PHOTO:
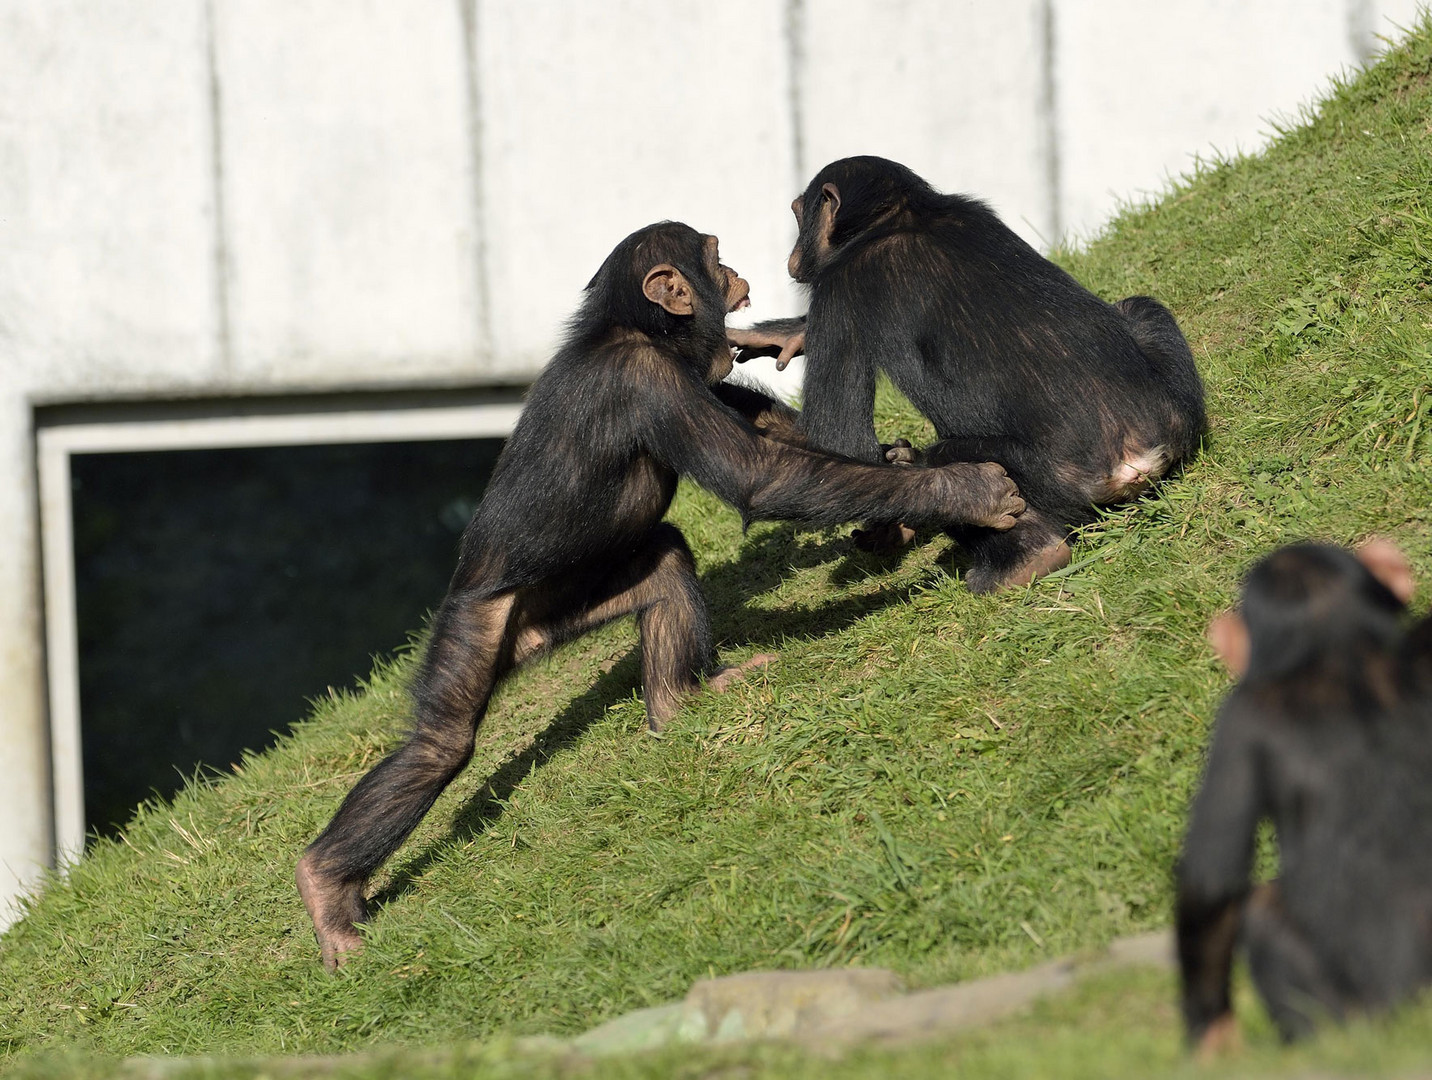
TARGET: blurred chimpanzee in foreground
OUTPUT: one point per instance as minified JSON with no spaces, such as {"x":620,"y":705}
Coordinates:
{"x":569,"y":533}
{"x":1011,"y":359}
{"x":1328,"y":733}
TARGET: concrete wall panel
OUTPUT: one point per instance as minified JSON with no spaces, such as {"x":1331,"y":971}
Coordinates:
{"x":953,"y":90}
{"x":348,"y":180}
{"x":1372,"y":24}
{"x":1138,"y":98}
{"x":599,"y":119}
{"x":107,"y":276}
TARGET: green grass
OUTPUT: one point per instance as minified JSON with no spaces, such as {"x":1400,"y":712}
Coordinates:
{"x":944,"y":784}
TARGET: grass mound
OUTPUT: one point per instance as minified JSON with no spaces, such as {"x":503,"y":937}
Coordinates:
{"x":944,"y":784}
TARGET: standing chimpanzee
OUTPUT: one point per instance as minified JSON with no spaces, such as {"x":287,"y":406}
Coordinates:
{"x":1327,"y":735}
{"x":569,"y":534}
{"x":1084,"y":402}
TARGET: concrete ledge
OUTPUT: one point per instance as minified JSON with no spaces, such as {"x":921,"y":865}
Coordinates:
{"x":828,"y":1011}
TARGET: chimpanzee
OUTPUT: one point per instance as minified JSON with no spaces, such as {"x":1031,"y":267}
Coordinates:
{"x":1084,"y":402}
{"x":1327,"y":734}
{"x":569,"y":533}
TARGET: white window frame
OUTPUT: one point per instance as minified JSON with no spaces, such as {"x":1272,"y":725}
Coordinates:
{"x":55,"y":445}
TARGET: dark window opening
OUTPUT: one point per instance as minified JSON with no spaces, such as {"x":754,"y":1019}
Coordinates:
{"x":216,"y":590}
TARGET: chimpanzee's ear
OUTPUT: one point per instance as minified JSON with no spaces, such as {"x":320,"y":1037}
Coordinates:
{"x":1228,"y":634}
{"x":829,"y":207}
{"x":1389,"y":566}
{"x":667,"y":286}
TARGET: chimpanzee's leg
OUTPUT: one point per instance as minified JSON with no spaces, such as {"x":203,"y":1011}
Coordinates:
{"x":469,"y":651}
{"x":658,"y":584}
{"x":1296,"y":987}
{"x":473,"y":644}
{"x":1038,"y":544}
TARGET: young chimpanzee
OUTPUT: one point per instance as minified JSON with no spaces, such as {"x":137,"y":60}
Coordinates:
{"x":1084,"y":402}
{"x":1327,"y":735}
{"x":569,"y":534}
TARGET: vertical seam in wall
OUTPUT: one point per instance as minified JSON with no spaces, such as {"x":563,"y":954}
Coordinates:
{"x":1048,"y":120}
{"x":467,"y":16}
{"x":1361,"y":33}
{"x":223,"y":331}
{"x":795,"y":66}
{"x":39,"y":629}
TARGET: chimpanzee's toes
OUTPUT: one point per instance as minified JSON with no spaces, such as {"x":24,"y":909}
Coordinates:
{"x":336,"y":908}
{"x":723,"y":678}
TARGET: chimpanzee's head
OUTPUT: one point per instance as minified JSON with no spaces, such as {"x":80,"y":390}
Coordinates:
{"x":667,"y":281}
{"x":1310,"y":599}
{"x":847,"y":199}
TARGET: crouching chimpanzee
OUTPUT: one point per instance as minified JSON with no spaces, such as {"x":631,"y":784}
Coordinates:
{"x":1327,"y":734}
{"x":1013,"y":361}
{"x":569,"y":534}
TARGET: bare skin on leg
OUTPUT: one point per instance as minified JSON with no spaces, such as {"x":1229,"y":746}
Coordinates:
{"x":1220,"y":1040}
{"x":335,"y":908}
{"x":1046,"y":561}
{"x":883,"y":538}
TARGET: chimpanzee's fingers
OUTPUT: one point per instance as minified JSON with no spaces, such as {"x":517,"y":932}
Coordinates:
{"x":1008,"y":504}
{"x":747,"y":352}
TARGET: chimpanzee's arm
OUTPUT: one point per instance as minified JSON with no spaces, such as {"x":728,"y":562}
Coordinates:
{"x":1213,"y":874}
{"x":683,"y":425}
{"x":773,"y":419}
{"x":782,"y":338}
{"x":1415,"y":659}
{"x":838,"y":400}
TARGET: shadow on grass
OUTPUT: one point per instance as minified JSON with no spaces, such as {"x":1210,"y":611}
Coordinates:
{"x":760,"y":567}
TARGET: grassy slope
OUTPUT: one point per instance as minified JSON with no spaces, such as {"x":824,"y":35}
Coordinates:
{"x":941,"y":783}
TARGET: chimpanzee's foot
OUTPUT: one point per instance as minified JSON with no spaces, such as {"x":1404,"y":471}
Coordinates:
{"x":336,"y":908}
{"x":988,"y":579}
{"x":662,"y":708}
{"x":883,"y":537}
{"x":1220,"y":1040}
{"x":724,"y":678}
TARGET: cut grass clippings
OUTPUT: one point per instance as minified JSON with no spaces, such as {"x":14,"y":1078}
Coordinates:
{"x":943,"y":784}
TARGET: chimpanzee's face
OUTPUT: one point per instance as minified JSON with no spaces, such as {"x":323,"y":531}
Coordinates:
{"x":793,"y":264}
{"x":813,"y":241}
{"x":734,"y":287}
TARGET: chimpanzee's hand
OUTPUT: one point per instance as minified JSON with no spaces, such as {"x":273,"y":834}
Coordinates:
{"x":900,"y":452}
{"x":757,"y":342}
{"x":983,"y":494}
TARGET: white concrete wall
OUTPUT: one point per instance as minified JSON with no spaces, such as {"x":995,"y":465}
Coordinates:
{"x":273,"y":196}
{"x":1140,"y":90}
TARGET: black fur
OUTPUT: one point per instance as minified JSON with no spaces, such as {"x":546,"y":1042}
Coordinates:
{"x":569,"y":533}
{"x":1328,"y":736}
{"x":1011,"y":359}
